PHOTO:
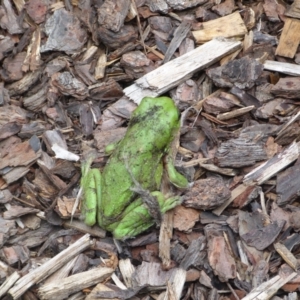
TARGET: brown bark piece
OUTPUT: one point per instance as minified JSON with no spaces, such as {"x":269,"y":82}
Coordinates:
{"x":5,"y":196}
{"x":64,"y":207}
{"x":64,"y":32}
{"x":294,"y":220}
{"x":83,"y":72}
{"x":224,"y":8}
{"x":273,"y":10}
{"x":263,"y":92}
{"x":216,"y":105}
{"x":112,"y":14}
{"x":186,"y":94}
{"x":161,"y":25}
{"x":68,"y":85}
{"x":193,"y":140}
{"x":23,"y":85}
{"x":179,"y":35}
{"x":272,"y":147}
{"x":12,"y":67}
{"x":157,"y":6}
{"x":246,"y":98}
{"x":263,"y":237}
{"x":15,"y":174}
{"x":21,"y":155}
{"x":64,"y":168}
{"x":241,"y":73}
{"x":284,"y":271}
{"x":250,"y":194}
{"x":136,"y":64}
{"x":9,"y":129}
{"x":220,"y":259}
{"x":55,"y":65}
{"x":120,"y":51}
{"x":6,"y":45}
{"x":270,"y":108}
{"x":287,"y":185}
{"x":36,"y":101}
{"x":37,"y":10}
{"x":249,"y":221}
{"x":259,"y":273}
{"x":208,"y":217}
{"x":33,"y":128}
{"x":32,"y":222}
{"x":7,"y":144}
{"x":18,"y":211}
{"x":294,"y":10}
{"x":195,"y":254}
{"x":60,"y":184}
{"x":229,"y":26}
{"x":185,"y":218}
{"x":204,"y":15}
{"x":288,"y":87}
{"x":205,"y":280}
{"x":7,"y":229}
{"x":207,"y":194}
{"x":46,"y":188}
{"x":278,"y":213}
{"x":181,"y":4}
{"x":289,"y":38}
{"x":246,"y":149}
{"x":9,"y":20}
{"x":114,"y":40}
{"x":107,"y":90}
{"x":15,"y":254}
{"x":33,"y":238}
{"x":289,"y":135}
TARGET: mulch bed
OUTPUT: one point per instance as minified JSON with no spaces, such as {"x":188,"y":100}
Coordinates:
{"x":72,"y":73}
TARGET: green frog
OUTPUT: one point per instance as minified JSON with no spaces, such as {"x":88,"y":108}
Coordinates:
{"x":125,"y":199}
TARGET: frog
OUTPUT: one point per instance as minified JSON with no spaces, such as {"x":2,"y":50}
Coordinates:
{"x":125,"y":198}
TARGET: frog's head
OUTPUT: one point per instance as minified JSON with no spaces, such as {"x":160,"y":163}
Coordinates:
{"x":159,"y":118}
{"x":162,"y":107}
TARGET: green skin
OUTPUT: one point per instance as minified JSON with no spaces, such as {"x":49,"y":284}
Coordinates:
{"x":111,"y":198}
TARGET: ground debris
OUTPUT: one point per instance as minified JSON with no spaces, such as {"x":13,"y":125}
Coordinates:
{"x":71,"y":75}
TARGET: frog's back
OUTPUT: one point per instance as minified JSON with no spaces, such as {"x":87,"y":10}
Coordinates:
{"x":150,"y":131}
{"x":153,"y":124}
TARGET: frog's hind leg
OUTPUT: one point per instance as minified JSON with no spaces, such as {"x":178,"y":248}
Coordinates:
{"x":136,"y":217}
{"x":91,"y":185}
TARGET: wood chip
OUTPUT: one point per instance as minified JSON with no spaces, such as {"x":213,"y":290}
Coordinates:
{"x":228,"y":26}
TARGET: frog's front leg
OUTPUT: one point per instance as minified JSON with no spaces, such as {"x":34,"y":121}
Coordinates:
{"x":91,"y":186}
{"x":175,"y":177}
{"x":136,"y":217}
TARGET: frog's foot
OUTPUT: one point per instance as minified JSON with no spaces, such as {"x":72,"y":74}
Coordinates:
{"x":136,"y":217}
{"x":135,"y":221}
{"x":175,"y":177}
{"x":169,"y":203}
